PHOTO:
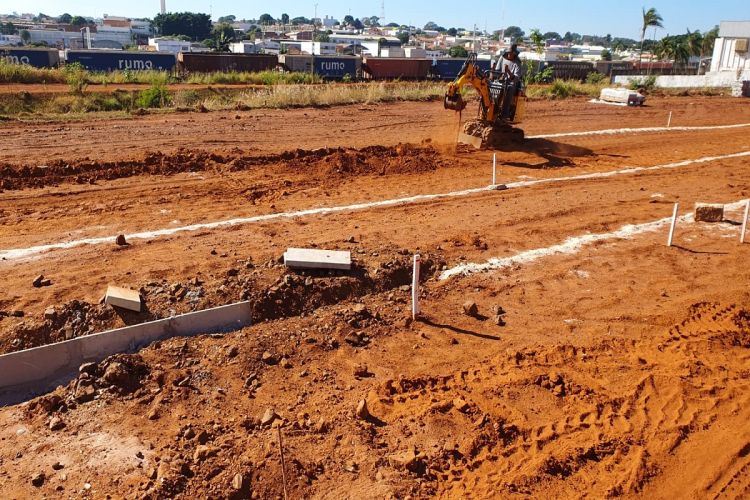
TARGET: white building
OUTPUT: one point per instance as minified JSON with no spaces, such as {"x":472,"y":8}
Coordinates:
{"x":732,"y":48}
{"x":318,"y":48}
{"x":10,"y":39}
{"x":169,"y":45}
{"x":244,"y":47}
{"x":330,"y":22}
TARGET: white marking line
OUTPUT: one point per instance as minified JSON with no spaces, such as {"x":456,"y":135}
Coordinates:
{"x":18,"y":253}
{"x":643,"y":130}
{"x":569,"y":247}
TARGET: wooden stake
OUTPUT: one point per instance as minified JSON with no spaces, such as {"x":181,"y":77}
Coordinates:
{"x":674,"y":222}
{"x":669,"y":120}
{"x":415,"y":288}
{"x":494,"y":169}
{"x":744,"y":221}
{"x":283,"y":462}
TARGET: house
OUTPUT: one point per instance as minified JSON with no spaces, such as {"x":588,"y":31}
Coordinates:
{"x":732,"y":48}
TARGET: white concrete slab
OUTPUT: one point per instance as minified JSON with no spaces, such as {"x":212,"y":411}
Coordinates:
{"x":37,"y":370}
{"x":123,"y":297}
{"x":307,"y":258}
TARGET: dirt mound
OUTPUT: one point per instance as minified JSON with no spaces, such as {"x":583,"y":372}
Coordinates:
{"x":372,"y":160}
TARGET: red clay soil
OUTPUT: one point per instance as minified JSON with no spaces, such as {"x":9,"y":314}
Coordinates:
{"x":621,"y":369}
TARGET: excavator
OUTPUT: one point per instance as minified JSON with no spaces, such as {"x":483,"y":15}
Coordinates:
{"x":489,"y":130}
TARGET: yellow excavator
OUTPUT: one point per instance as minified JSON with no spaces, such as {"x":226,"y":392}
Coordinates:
{"x":490,"y":129}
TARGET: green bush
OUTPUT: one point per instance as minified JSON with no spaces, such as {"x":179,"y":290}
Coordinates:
{"x":647,"y":83}
{"x":76,"y":78}
{"x":596,"y":78}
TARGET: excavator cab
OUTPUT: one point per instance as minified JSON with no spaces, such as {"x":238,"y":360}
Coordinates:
{"x":490,"y":128}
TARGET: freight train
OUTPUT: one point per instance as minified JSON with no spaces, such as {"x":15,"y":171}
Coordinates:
{"x":327,"y":67}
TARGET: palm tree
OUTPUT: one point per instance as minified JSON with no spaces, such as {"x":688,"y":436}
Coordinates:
{"x":707,"y":44}
{"x":650,"y":18}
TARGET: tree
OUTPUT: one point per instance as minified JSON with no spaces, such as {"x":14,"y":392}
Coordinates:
{"x":193,"y":25}
{"x":552,"y":35}
{"x":79,"y":21}
{"x":224,"y":34}
{"x":266,"y":19}
{"x":458,"y":51}
{"x":357,"y":24}
{"x":25,"y":36}
{"x":285,"y":18}
{"x":514,"y":33}
{"x":391,"y":25}
{"x":403,"y":37}
{"x":373,"y":20}
{"x":65,"y":18}
{"x":348,"y":20}
{"x":707,"y":44}
{"x":608,"y":40}
{"x":650,"y":18}
{"x":571,"y":37}
{"x":606,"y":55}
{"x":322,"y":37}
{"x":432,"y":26}
{"x":452,"y":32}
{"x":8,"y":29}
{"x":300,"y":20}
{"x":227,"y":19}
{"x":537,"y":40}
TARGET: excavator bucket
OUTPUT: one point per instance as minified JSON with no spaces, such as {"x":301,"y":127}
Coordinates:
{"x":454,"y":102}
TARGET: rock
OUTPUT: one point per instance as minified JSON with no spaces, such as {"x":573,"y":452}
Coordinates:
{"x":470,"y":309}
{"x":85,"y":393}
{"x":56,"y":423}
{"x":38,"y":479}
{"x":38,"y":281}
{"x":238,"y":482}
{"x":403,"y":460}
{"x":362,"y":412}
{"x":89,"y":368}
{"x":268,"y":358}
{"x":285,"y":363}
{"x":361,"y":371}
{"x":268,"y":417}
{"x":120,"y":240}
{"x":116,"y":374}
{"x":189,"y":433}
{"x":232,"y":272}
{"x":232,"y":351}
{"x":203,"y":452}
{"x":498,"y":319}
{"x":202,"y":437}
{"x":46,"y":282}
{"x":50,"y":313}
{"x":460,"y":404}
{"x":57,"y":466}
{"x":17,"y":314}
{"x":707,"y":212}
{"x":153,"y":414}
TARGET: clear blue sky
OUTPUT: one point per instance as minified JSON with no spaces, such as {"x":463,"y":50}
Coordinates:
{"x":619,"y":17}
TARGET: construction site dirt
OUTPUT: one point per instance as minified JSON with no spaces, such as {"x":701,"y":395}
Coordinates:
{"x":596,"y":360}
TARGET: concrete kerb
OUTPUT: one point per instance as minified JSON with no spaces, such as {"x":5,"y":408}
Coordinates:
{"x":27,"y":373}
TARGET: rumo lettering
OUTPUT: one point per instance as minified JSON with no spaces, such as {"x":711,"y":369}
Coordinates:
{"x":332,"y":66}
{"x":135,"y":64}
{"x":11,"y":59}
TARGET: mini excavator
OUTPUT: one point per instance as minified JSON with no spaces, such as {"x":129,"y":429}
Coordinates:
{"x":490,"y":129}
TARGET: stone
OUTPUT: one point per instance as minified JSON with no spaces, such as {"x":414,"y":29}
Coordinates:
{"x":50,"y":313}
{"x":153,"y":414}
{"x":498,"y":320}
{"x":460,"y":404}
{"x":232,"y":351}
{"x":470,"y":308}
{"x":203,"y":452}
{"x":403,"y":460}
{"x":285,"y":363}
{"x":268,"y":358}
{"x":362,"y":412}
{"x":37,"y":479}
{"x":57,"y":466}
{"x":85,"y":393}
{"x":89,"y":368}
{"x":120,"y":240}
{"x":709,"y":212}
{"x":238,"y":482}
{"x":361,"y":371}
{"x":268,"y":417}
{"x":38,"y":281}
{"x":56,"y":423}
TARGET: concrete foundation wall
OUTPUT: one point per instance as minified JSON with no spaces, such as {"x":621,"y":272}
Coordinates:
{"x":37,"y":370}
{"x":709,"y":80}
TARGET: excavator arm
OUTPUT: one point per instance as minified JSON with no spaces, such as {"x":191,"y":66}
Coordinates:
{"x":472,"y":75}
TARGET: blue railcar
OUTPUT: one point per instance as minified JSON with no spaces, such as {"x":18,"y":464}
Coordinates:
{"x":448,"y":68}
{"x":38,"y":58}
{"x":336,"y":67}
{"x":120,"y":60}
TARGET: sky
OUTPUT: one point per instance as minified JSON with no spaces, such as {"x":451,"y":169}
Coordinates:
{"x":619,"y":18}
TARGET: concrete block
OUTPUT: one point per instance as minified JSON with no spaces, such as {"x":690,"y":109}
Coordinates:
{"x":306,"y":258}
{"x":709,"y":212}
{"x":27,"y":373}
{"x":123,"y":297}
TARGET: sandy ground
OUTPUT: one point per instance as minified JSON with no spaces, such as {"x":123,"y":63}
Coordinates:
{"x":620,"y":369}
